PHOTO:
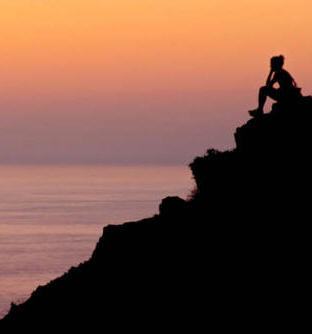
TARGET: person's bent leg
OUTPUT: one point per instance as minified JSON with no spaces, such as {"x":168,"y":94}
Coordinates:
{"x":274,"y":94}
{"x":263,"y":91}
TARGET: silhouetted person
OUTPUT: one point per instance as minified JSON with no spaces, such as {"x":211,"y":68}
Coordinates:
{"x":287,"y":90}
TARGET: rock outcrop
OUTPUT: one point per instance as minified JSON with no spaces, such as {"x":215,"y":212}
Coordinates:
{"x":236,"y":255}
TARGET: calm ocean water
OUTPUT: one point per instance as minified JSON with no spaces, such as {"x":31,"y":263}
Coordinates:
{"x":51,"y":217}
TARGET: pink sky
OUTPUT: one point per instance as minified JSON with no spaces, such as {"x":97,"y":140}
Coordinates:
{"x":138,"y":81}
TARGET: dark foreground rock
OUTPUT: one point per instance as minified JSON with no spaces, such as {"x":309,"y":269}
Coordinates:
{"x":235,"y":256}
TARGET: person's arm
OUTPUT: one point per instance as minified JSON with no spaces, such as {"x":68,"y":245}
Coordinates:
{"x":268,"y":82}
{"x":272,"y":81}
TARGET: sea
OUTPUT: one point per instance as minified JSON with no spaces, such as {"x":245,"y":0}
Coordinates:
{"x":51,"y":217}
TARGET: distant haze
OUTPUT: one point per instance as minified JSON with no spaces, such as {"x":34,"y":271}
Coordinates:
{"x":138,"y":81}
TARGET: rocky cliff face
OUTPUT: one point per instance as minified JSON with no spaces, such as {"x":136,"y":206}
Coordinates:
{"x":236,"y":255}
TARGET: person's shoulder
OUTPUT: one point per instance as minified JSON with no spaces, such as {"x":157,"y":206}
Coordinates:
{"x":284,"y":72}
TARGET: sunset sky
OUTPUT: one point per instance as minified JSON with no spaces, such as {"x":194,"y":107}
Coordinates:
{"x":138,"y":81}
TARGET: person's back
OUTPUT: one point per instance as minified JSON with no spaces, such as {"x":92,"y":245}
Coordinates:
{"x":284,"y":79}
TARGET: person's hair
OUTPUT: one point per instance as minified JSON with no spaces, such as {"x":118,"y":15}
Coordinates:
{"x":278,"y":61}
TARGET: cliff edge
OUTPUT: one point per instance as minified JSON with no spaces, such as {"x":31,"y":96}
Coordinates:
{"x":235,"y":255}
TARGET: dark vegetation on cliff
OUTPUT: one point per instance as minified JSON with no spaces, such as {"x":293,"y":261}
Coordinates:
{"x":235,"y":255}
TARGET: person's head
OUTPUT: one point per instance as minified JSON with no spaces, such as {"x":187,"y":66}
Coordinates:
{"x":277,"y":62}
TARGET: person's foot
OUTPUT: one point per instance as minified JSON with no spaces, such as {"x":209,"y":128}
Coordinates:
{"x":256,"y":112}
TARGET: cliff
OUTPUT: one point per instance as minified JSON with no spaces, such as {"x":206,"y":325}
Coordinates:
{"x":236,"y":255}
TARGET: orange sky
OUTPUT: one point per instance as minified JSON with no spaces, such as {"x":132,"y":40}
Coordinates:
{"x":138,"y":80}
